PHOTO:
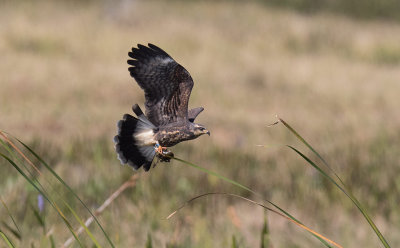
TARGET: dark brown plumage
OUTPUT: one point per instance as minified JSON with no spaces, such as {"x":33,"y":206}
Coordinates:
{"x":167,"y":87}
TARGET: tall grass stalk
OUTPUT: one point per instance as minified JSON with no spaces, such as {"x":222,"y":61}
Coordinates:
{"x":17,"y":232}
{"x":68,"y":188}
{"x":340,"y":185}
{"x":234,"y":242}
{"x":129,"y":183}
{"x":265,"y":241}
{"x":6,"y":239}
{"x":266,"y":208}
{"x":45,"y":195}
{"x":285,"y":213}
{"x":96,"y":243}
{"x":38,"y":186}
{"x":34,"y":181}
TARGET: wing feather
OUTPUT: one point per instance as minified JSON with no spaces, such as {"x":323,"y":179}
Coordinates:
{"x":167,"y":85}
{"x":193,"y":113}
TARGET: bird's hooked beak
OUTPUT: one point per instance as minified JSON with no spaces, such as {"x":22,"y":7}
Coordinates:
{"x":200,"y":130}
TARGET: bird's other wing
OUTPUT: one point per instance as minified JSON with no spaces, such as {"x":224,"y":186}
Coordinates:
{"x":193,"y":113}
{"x":166,"y":84}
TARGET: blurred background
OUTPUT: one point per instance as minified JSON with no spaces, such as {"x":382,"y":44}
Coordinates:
{"x":331,"y":69}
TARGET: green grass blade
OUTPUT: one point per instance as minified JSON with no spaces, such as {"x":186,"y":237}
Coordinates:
{"x":291,"y":129}
{"x":12,"y":218}
{"x":318,"y":169}
{"x":149,"y":244}
{"x":52,"y":242}
{"x":304,"y":142}
{"x":298,"y":221}
{"x":265,"y":234}
{"x":6,"y":239}
{"x":6,"y":147}
{"x":322,"y":238}
{"x":12,"y":154}
{"x":242,"y":187}
{"x":19,"y":152}
{"x":53,"y":204}
{"x":83,"y":225}
{"x":38,"y":217}
{"x":12,"y":230}
{"x":216,"y":175}
{"x":344,"y":189}
{"x":351,"y":197}
{"x":234,"y":242}
{"x":67,"y":187}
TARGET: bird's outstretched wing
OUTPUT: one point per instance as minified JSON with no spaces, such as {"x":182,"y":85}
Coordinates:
{"x":193,"y":113}
{"x":166,"y":84}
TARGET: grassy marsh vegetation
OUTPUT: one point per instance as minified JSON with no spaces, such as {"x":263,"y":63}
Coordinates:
{"x":64,"y":84}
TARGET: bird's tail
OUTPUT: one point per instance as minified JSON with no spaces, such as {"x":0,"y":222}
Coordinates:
{"x":131,"y":142}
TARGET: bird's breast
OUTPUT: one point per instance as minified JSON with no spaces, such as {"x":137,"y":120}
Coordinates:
{"x":171,"y":137}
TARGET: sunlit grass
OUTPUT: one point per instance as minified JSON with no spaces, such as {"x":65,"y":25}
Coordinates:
{"x":340,"y":184}
{"x":39,"y":186}
{"x":35,"y":183}
{"x":65,"y":82}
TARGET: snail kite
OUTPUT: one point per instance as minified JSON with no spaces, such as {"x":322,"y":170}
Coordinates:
{"x":167,"y":86}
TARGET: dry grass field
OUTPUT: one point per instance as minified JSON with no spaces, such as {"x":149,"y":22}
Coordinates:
{"x":64,"y":85}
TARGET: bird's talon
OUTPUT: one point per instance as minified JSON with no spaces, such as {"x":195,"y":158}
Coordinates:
{"x":160,"y":149}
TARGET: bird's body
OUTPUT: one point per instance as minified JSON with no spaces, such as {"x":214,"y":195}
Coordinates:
{"x":171,"y":135}
{"x":166,"y":136}
{"x":167,"y":87}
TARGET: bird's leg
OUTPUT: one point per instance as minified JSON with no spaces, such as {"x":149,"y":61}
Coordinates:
{"x":159,"y":149}
{"x":163,"y":153}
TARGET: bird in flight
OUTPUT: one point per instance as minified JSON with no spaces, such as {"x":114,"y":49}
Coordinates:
{"x":167,"y":122}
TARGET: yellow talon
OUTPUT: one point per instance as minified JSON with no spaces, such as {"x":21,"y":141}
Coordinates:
{"x":160,"y":149}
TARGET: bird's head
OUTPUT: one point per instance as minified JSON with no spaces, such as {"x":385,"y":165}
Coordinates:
{"x":199,"y":129}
